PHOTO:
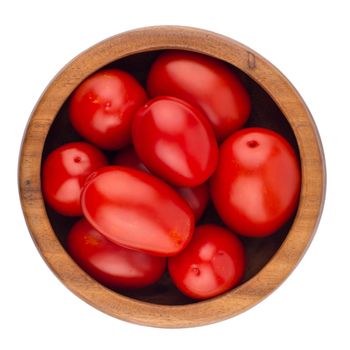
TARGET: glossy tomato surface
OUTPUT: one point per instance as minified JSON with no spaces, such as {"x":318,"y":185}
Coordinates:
{"x":102,"y":107}
{"x":175,"y":141}
{"x":64,"y":173}
{"x":110,"y":264}
{"x":137,"y":210}
{"x":212,"y":263}
{"x":256,"y":185}
{"x":196,"y":197}
{"x":206,"y":83}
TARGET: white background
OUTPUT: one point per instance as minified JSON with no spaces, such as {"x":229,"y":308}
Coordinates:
{"x":308,"y":41}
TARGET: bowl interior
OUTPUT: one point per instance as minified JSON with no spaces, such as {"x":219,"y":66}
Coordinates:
{"x":265,"y":113}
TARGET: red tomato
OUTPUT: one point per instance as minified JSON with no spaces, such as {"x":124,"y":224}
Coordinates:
{"x":137,"y":210}
{"x":128,"y":157}
{"x":102,"y":107}
{"x":196,"y":197}
{"x":175,"y":141}
{"x":64,"y":173}
{"x":110,"y":264}
{"x":211,"y":264}
{"x":206,"y":83}
{"x":256,"y":186}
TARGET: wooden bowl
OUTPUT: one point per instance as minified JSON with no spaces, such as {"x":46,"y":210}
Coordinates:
{"x":276,"y":105}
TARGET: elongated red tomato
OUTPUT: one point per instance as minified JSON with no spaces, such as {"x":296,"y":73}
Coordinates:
{"x":102,"y":107}
{"x":256,"y":185}
{"x":110,"y":264}
{"x":137,"y":210}
{"x":206,"y":83}
{"x":175,"y":141}
{"x":64,"y":173}
{"x":196,"y":197}
{"x":212,"y":263}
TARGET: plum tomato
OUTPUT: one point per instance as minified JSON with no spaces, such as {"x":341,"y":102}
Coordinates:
{"x":128,"y":157}
{"x":256,"y":185}
{"x":196,"y":197}
{"x":64,"y":172}
{"x":110,"y":264}
{"x":212,"y":263}
{"x":175,"y":141}
{"x":206,"y":83}
{"x":102,"y":107}
{"x":137,"y":210}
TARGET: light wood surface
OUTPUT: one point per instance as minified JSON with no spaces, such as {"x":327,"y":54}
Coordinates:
{"x":276,"y":104}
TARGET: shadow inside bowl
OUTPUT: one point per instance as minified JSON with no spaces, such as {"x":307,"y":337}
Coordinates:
{"x":265,"y":113}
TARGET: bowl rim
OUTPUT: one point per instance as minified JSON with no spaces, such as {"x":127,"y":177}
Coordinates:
{"x":278,"y":268}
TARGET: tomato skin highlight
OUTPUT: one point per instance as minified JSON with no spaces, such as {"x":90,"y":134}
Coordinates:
{"x":175,"y":141}
{"x":212,"y":263}
{"x":206,"y":83}
{"x":110,"y":264}
{"x":196,"y":197}
{"x":256,"y":185}
{"x":136,"y":210}
{"x":102,"y":107}
{"x":64,"y":172}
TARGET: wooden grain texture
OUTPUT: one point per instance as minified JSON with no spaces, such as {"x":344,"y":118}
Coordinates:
{"x":288,"y":250}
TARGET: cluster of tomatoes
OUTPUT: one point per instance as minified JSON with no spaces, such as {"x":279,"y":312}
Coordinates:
{"x":177,"y":146}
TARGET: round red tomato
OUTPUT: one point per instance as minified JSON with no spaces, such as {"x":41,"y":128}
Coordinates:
{"x":110,"y":264}
{"x":196,"y":197}
{"x":137,"y":210}
{"x":256,"y":185}
{"x":212,"y":263}
{"x":102,"y":107}
{"x":64,"y":173}
{"x":175,"y":141}
{"x":206,"y":83}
